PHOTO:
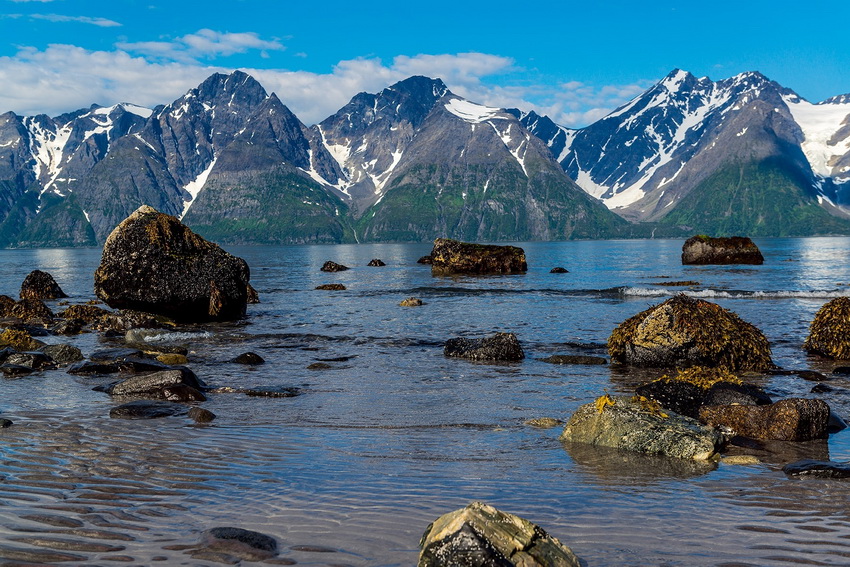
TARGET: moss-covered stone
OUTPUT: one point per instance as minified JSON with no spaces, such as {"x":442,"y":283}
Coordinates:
{"x":683,"y":332}
{"x":829,"y":333}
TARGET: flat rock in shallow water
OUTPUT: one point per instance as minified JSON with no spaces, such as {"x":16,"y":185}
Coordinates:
{"x":501,"y":347}
{"x":331,"y":287}
{"x":623,"y":423}
{"x":87,"y":368}
{"x":244,"y":544}
{"x":482,"y":536}
{"x":15,"y":370}
{"x":114,"y":354}
{"x":454,"y":257}
{"x":574,"y":359}
{"x":732,"y":250}
{"x":63,"y":354}
{"x":144,"y":409}
{"x":138,"y":385}
{"x":793,"y":419}
{"x":34,"y":360}
{"x":820,"y":469}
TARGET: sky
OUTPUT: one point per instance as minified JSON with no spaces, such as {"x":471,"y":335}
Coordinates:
{"x":573,"y":61}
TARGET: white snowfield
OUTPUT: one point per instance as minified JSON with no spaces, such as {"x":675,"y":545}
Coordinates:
{"x":820,"y":123}
{"x":471,"y":112}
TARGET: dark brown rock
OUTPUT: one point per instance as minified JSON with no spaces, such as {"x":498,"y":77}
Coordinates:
{"x":87,"y":313}
{"x":703,"y":249}
{"x":253,"y":296}
{"x":201,"y":415}
{"x":559,"y":270}
{"x":454,"y":257}
{"x":683,"y":332}
{"x":331,"y":287}
{"x":244,"y":544}
{"x":144,"y":409}
{"x":40,"y":285}
{"x":13,"y":370}
{"x":819,"y":469}
{"x":793,"y":419}
{"x":499,"y":347}
{"x":63,"y":354}
{"x":35,"y":360}
{"x":829,"y":333}
{"x":153,"y":263}
{"x":333,"y":267}
{"x":249,"y":358}
{"x":427,"y":260}
{"x":574,"y":359}
{"x":376,"y":263}
{"x":31,"y":311}
{"x":147,"y":383}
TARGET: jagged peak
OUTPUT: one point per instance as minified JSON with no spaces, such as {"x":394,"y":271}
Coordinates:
{"x":838,"y":99}
{"x":420,"y":84}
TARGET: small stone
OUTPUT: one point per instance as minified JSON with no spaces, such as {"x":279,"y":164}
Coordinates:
{"x":331,"y":287}
{"x":4,"y":423}
{"x":376,"y":263}
{"x":172,"y":359}
{"x":201,"y":415}
{"x":427,"y":260}
{"x":244,"y":544}
{"x":87,"y":368}
{"x":319,"y":366}
{"x":411,"y":302}
{"x":558,"y":270}
{"x":249,"y":358}
{"x":333,"y":267}
{"x":740,"y":460}
{"x":544,"y":422}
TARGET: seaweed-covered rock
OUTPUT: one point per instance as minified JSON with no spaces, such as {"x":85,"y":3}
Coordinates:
{"x":331,"y":287}
{"x":411,"y":302}
{"x":87,"y":313}
{"x":482,"y":536}
{"x":31,"y":311}
{"x":249,"y":358}
{"x":19,"y":340}
{"x":640,"y":425}
{"x":376,"y":263}
{"x":154,"y":263}
{"x":453,"y":257}
{"x":6,"y":303}
{"x":829,"y":333}
{"x":793,"y":419}
{"x":703,"y":249}
{"x":499,"y":347}
{"x":40,"y":285}
{"x":333,"y":267}
{"x":201,"y":415}
{"x":684,"y":331}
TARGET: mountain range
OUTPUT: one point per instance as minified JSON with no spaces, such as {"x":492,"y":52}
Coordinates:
{"x":415,"y":162}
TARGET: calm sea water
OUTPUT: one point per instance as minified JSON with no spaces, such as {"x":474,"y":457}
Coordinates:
{"x":394,"y":434}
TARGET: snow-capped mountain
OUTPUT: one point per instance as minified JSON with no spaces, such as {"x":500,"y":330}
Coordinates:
{"x":646,"y":159}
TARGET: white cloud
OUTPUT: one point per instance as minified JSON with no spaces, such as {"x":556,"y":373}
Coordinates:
{"x":62,"y":78}
{"x":100,"y":22}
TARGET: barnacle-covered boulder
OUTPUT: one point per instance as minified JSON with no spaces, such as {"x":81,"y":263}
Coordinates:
{"x":793,"y":419}
{"x":500,"y":347}
{"x":482,"y":536}
{"x":40,"y":285}
{"x":829,"y":333}
{"x":683,"y":332}
{"x":641,"y":425}
{"x":154,"y":263}
{"x":703,"y":249}
{"x":454,"y":257}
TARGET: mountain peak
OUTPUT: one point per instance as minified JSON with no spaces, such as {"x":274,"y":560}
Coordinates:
{"x":421,"y":85}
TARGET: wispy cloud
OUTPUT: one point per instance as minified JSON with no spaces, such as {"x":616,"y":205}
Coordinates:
{"x":203,"y":44}
{"x":61,"y":78}
{"x":100,"y":22}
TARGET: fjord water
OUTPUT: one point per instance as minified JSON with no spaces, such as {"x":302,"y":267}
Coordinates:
{"x":389,"y":434}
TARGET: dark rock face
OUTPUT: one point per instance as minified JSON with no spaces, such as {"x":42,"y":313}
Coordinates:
{"x":153,"y":263}
{"x":86,"y":368}
{"x":40,"y":285}
{"x":819,"y":469}
{"x":253,"y":296}
{"x":829,"y":333}
{"x":455,"y":257}
{"x":683,"y":332}
{"x":793,"y":419}
{"x":15,"y":369}
{"x":482,"y":536}
{"x":499,"y":347}
{"x":144,"y":409}
{"x":333,"y":267}
{"x":249,"y":358}
{"x":34,"y":360}
{"x":687,"y":398}
{"x":733,"y":250}
{"x":376,"y":263}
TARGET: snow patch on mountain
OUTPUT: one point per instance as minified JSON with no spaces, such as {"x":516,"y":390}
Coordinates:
{"x":820,"y":123}
{"x":194,"y":188}
{"x":471,"y":112}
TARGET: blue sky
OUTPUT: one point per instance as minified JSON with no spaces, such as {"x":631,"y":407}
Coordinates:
{"x":575,"y":61}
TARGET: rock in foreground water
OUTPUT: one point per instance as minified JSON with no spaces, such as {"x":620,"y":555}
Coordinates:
{"x":703,"y":249}
{"x":683,"y":332}
{"x":482,"y":536}
{"x":829,"y":333}
{"x":500,"y":347}
{"x":794,"y":419}
{"x":154,"y":263}
{"x":820,"y":469}
{"x":246,"y":545}
{"x":635,"y":424}
{"x":453,"y":257}
{"x":40,"y":285}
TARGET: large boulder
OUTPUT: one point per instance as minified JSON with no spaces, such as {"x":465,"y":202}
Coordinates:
{"x":503,"y":347}
{"x":683,"y":332}
{"x":640,"y":425}
{"x":453,"y":257}
{"x":829,"y":333}
{"x":153,"y":263}
{"x":482,"y":536}
{"x":794,"y":419}
{"x":703,"y":249}
{"x":40,"y":285}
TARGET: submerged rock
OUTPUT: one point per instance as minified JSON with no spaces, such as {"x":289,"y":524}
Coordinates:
{"x":145,"y":409}
{"x":453,"y":257}
{"x":249,"y":358}
{"x":154,"y":263}
{"x":703,"y":249}
{"x":331,"y":287}
{"x":243,"y":544}
{"x":201,"y":415}
{"x":819,"y":469}
{"x":635,"y":424}
{"x":793,"y":419}
{"x":333,"y":267}
{"x":482,"y":536}
{"x":574,"y":359}
{"x":829,"y":333}
{"x":411,"y":302}
{"x":559,"y":270}
{"x":683,"y":332}
{"x":499,"y":347}
{"x":40,"y":285}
